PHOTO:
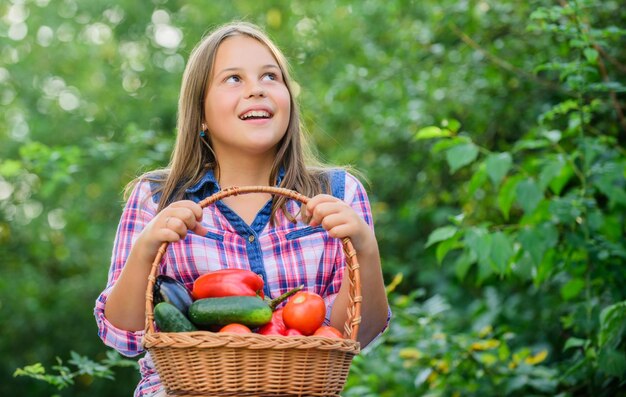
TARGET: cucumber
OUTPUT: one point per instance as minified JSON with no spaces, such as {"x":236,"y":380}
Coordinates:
{"x":247,"y":310}
{"x":169,"y":319}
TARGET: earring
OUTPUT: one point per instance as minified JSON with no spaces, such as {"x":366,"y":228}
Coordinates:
{"x":202,"y":132}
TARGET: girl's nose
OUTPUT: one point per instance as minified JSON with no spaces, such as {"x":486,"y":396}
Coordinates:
{"x":255,"y":89}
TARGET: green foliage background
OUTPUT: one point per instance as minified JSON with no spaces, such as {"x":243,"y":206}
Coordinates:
{"x":491,"y":133}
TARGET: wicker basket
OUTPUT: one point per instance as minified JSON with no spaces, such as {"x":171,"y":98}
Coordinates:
{"x":206,"y":363}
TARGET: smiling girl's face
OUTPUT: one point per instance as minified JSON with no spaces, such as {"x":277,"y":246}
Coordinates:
{"x":247,"y":104}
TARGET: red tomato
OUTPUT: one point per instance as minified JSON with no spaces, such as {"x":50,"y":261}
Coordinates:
{"x":293,"y":332}
{"x":276,"y":326}
{"x":328,"y":331}
{"x":235,"y":329}
{"x":271,"y":329}
{"x":304,"y":312}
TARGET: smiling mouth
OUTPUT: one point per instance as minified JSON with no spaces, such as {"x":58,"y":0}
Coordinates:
{"x":255,"y":115}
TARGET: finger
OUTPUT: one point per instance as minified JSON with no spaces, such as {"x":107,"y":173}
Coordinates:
{"x":340,"y":231}
{"x":191,"y":215}
{"x":194,"y":207}
{"x":170,"y":235}
{"x":183,"y":213}
{"x":315,"y":201}
{"x":333,"y":220}
{"x":176,"y":225}
{"x":200,"y":230}
{"x":323,"y":210}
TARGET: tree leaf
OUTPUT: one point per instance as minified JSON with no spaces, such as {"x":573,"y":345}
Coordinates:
{"x":574,"y":343}
{"x":432,"y":132}
{"x":612,"y":362}
{"x":478,"y":240}
{"x":530,"y":144}
{"x":565,"y":209}
{"x":446,"y":246}
{"x":546,"y":386}
{"x":550,"y":170}
{"x":452,"y":124}
{"x":478,"y":179}
{"x":498,"y":165}
{"x":461,"y":155}
{"x":485,"y":269}
{"x":591,"y":55}
{"x":537,"y":358}
{"x":553,"y":136}
{"x":559,"y":181}
{"x":463,"y":263}
{"x":537,"y":240}
{"x":515,"y":383}
{"x":501,"y":251}
{"x":506,"y":196}
{"x":610,"y":183}
{"x":441,"y":234}
{"x":543,"y":271}
{"x":445,"y":144}
{"x":528,"y":195}
{"x":612,"y":325}
{"x":572,"y":288}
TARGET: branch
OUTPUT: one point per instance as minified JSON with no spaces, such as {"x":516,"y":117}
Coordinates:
{"x":609,"y":58}
{"x":601,"y":54}
{"x":502,"y":63}
{"x":614,"y":101}
{"x":601,"y":67}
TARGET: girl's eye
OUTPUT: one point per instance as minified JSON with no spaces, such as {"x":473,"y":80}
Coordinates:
{"x":270,"y":76}
{"x":233,"y":79}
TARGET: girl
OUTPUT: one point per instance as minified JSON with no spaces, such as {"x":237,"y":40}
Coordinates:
{"x":238,"y":124}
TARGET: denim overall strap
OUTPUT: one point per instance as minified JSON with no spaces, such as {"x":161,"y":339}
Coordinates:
{"x":338,"y":183}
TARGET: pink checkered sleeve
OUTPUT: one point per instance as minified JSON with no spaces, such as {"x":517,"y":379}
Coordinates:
{"x":356,"y":196}
{"x":137,"y":213}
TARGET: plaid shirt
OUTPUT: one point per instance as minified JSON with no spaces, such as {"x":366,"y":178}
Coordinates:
{"x":286,"y":255}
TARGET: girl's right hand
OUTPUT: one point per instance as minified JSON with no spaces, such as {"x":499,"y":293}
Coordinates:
{"x":172,"y":224}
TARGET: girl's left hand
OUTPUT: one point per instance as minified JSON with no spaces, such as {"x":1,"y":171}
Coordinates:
{"x":338,"y":218}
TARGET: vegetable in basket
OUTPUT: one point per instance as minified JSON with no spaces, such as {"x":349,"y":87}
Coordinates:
{"x":328,"y":332}
{"x":305,"y":312}
{"x":236,"y":329}
{"x":276,"y":326}
{"x":169,"y":319}
{"x":168,"y":289}
{"x":228,"y":282}
{"x":251,"y":311}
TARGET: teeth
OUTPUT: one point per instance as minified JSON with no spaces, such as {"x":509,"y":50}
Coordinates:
{"x":255,"y":113}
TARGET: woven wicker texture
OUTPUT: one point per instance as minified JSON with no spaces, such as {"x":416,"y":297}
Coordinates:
{"x":205,"y":363}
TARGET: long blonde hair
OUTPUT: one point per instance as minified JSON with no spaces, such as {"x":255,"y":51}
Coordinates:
{"x":192,"y":156}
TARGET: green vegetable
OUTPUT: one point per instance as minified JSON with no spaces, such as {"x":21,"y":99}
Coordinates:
{"x":247,"y":310}
{"x":251,"y":311}
{"x":169,"y":319}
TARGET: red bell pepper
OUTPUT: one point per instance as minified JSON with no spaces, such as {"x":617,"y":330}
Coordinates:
{"x":228,"y":282}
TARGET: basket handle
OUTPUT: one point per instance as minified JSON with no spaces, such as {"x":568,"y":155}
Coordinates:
{"x":351,"y":327}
